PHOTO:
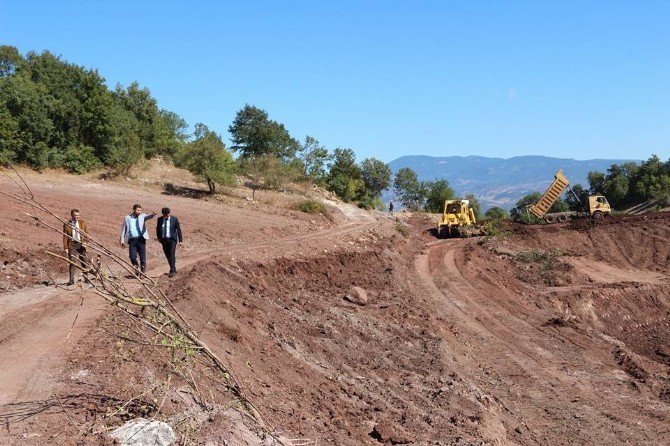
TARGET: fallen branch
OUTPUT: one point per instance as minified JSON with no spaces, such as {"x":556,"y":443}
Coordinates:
{"x":145,"y":303}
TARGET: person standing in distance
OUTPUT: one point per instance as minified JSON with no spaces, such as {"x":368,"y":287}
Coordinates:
{"x":168,"y":233}
{"x":134,"y":233}
{"x":75,"y":234}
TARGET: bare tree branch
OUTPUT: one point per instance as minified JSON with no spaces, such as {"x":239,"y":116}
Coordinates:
{"x":145,"y":302}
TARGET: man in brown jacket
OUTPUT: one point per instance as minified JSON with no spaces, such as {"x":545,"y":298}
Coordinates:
{"x":75,"y":234}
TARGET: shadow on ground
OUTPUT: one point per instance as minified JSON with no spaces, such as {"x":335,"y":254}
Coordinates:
{"x":182,"y":191}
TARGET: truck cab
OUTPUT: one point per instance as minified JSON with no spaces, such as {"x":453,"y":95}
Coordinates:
{"x":599,"y":206}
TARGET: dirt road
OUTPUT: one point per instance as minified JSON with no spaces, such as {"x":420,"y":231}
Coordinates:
{"x":37,"y":324}
{"x":545,"y":335}
{"x":544,"y":382}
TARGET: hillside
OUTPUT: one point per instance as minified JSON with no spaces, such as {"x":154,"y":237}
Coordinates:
{"x":357,"y":329}
{"x":499,"y":181}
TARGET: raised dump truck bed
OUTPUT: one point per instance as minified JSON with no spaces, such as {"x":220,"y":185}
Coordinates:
{"x":596,"y":206}
{"x":552,"y":194}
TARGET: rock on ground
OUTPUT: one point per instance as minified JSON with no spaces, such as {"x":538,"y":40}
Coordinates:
{"x":141,"y":432}
{"x":356,"y":295}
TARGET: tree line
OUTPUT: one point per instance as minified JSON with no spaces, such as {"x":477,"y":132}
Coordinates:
{"x":630,"y":183}
{"x":57,"y":114}
{"x":624,"y":185}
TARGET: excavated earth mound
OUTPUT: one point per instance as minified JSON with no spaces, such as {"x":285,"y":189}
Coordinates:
{"x":373,"y":332}
{"x":549,"y":335}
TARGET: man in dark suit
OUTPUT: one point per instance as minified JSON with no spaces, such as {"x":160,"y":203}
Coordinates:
{"x":168,"y":233}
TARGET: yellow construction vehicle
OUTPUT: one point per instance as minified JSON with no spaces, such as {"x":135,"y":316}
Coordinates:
{"x":597,"y":206}
{"x":458,"y":219}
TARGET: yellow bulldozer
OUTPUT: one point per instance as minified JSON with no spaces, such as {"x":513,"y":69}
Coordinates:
{"x":458,"y":219}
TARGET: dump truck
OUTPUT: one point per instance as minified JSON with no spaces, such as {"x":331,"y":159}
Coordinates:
{"x":458,"y":219}
{"x":596,"y":207}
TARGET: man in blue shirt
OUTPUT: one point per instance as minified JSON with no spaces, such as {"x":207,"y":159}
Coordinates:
{"x":134,"y":233}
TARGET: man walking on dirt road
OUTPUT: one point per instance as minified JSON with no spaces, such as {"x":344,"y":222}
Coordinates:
{"x":134,"y":232}
{"x":168,"y":233}
{"x":75,"y":234}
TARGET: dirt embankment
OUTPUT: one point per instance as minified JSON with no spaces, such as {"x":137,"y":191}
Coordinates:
{"x":362,"y":332}
{"x":594,"y":299}
{"x":457,"y":343}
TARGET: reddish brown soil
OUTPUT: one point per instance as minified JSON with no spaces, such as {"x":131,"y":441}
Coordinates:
{"x":461,"y":342}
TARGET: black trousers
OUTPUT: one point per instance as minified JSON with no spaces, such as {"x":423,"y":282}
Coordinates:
{"x":170,"y":251}
{"x":76,"y":254}
{"x":138,"y":245}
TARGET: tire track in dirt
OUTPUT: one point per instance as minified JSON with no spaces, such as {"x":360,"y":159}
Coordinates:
{"x":35,"y":323}
{"x":507,"y":351}
{"x":445,"y":282}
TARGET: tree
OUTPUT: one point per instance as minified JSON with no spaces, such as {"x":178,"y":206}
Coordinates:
{"x":408,"y":189}
{"x":628,"y":183}
{"x":345,"y":177}
{"x":376,"y":176}
{"x":577,"y":198}
{"x":437,"y":193}
{"x":169,"y":133}
{"x":124,"y":148}
{"x":617,"y":184}
{"x":596,"y":182}
{"x":649,"y":181}
{"x":268,"y":172}
{"x":80,"y":159}
{"x":207,"y":158}
{"x":9,"y":135}
{"x":10,"y":60}
{"x":150,"y":127}
{"x":474,"y":205}
{"x":71,"y":89}
{"x":53,"y":113}
{"x":254,"y":134}
{"x":560,"y":205}
{"x":30,"y":107}
{"x":315,"y":158}
{"x":496,"y":213}
{"x":520,"y":211}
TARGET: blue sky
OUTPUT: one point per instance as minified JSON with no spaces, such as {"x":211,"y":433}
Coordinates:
{"x":579,"y":79}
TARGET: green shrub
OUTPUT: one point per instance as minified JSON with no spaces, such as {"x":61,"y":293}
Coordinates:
{"x":493,"y":229}
{"x":547,"y":259}
{"x":370,"y":202}
{"x":269,"y":172}
{"x":37,"y":155}
{"x":311,"y":207}
{"x":81,"y":159}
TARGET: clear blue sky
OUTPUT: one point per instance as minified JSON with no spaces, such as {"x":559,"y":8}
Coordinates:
{"x":580,"y":79}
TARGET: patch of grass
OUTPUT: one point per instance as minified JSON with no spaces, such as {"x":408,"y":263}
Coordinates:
{"x":402,"y":228}
{"x":311,"y":207}
{"x":546,"y":259}
{"x":492,"y":229}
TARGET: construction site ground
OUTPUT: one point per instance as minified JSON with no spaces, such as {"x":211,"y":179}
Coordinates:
{"x":541,"y":335}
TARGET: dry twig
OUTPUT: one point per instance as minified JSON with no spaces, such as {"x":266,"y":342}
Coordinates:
{"x":145,"y":303}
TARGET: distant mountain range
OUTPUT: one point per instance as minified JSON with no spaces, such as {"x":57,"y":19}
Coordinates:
{"x":498,"y":181}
